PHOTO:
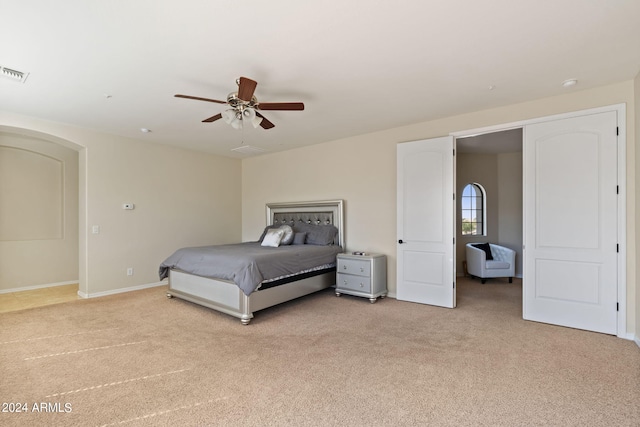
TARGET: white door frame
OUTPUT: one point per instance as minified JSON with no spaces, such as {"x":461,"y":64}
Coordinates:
{"x":620,"y":109}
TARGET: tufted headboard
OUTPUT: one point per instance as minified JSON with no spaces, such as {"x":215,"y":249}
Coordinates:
{"x":320,"y":212}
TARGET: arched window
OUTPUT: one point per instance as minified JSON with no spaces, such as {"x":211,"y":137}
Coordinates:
{"x":473,"y":210}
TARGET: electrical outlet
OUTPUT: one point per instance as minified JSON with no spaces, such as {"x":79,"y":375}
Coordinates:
{"x":128,"y":206}
{"x":130,"y":271}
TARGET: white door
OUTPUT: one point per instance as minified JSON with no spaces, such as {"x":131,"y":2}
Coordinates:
{"x":426,"y":222}
{"x":570,"y":208}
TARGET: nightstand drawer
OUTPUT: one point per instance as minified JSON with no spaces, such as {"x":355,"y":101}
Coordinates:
{"x":353,"y":283}
{"x":352,"y":266}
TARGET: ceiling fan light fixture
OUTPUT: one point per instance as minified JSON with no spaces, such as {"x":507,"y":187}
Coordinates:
{"x":236,"y":117}
{"x":249,"y":114}
{"x":256,"y":121}
{"x":231,"y":116}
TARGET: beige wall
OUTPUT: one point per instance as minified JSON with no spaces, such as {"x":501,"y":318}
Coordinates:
{"x":510,"y":212}
{"x":182,"y":198}
{"x":38,"y":213}
{"x":362,"y":171}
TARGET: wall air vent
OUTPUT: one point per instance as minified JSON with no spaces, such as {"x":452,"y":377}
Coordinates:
{"x":15,"y":75}
{"x":248,"y":149}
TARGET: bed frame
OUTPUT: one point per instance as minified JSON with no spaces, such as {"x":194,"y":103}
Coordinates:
{"x":226,"y":297}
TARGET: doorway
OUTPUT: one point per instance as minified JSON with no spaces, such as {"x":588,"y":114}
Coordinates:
{"x":494,"y":162}
{"x":39,"y":204}
{"x":573,"y":275}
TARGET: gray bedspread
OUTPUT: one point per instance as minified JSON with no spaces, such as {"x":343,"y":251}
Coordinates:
{"x":248,"y":264}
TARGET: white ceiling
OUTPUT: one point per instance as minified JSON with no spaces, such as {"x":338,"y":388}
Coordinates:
{"x":359,"y":66}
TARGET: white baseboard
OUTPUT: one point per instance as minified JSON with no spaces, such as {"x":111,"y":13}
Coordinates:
{"x":636,"y":339}
{"x":122,"y":290}
{"x":627,"y":336}
{"x":31,"y":288}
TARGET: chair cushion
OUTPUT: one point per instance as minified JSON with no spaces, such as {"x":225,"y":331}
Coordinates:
{"x":497,"y":265}
{"x":486,"y":248}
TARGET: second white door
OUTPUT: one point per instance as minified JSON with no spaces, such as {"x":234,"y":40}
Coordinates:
{"x":570,"y":230}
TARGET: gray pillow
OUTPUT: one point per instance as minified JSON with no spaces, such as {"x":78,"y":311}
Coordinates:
{"x":299,"y":238}
{"x":324,"y":234}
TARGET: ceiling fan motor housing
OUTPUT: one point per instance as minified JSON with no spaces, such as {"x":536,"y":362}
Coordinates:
{"x":238,"y":103}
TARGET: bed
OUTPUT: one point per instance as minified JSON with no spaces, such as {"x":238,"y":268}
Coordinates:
{"x":229,"y":292}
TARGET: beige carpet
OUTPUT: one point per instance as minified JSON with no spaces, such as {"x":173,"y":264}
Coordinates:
{"x":140,"y":359}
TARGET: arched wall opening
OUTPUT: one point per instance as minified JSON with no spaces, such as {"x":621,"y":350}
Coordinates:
{"x":45,"y":245}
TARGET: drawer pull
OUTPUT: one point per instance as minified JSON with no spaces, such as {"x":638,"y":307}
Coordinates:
{"x":361,"y":270}
{"x":362,"y":285}
{"x":344,"y":267}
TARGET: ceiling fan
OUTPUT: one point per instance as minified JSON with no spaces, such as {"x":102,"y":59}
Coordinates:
{"x":244,"y":106}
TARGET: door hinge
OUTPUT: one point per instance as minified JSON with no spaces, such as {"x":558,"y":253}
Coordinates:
{"x":454,"y":151}
{"x":617,"y":189}
{"x":454,"y":240}
{"x":617,"y":247}
{"x":617,"y":306}
{"x":454,"y":196}
{"x":454,"y":284}
{"x":617,"y":130}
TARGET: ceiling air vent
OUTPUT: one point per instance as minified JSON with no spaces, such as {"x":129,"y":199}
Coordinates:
{"x":18,"y":76}
{"x":248,"y":149}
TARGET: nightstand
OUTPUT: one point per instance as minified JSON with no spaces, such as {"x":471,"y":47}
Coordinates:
{"x":362,"y":276}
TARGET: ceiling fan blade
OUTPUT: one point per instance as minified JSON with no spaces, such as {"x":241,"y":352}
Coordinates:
{"x":197,"y":98}
{"x":266,"y":124}
{"x":212,"y":118}
{"x":246,"y":87}
{"x":291,"y":106}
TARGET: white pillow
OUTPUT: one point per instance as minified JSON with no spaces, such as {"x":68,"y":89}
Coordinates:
{"x":273,"y":237}
{"x":287,"y":237}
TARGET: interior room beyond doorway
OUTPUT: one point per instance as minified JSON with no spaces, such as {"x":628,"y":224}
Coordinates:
{"x":494,"y":161}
